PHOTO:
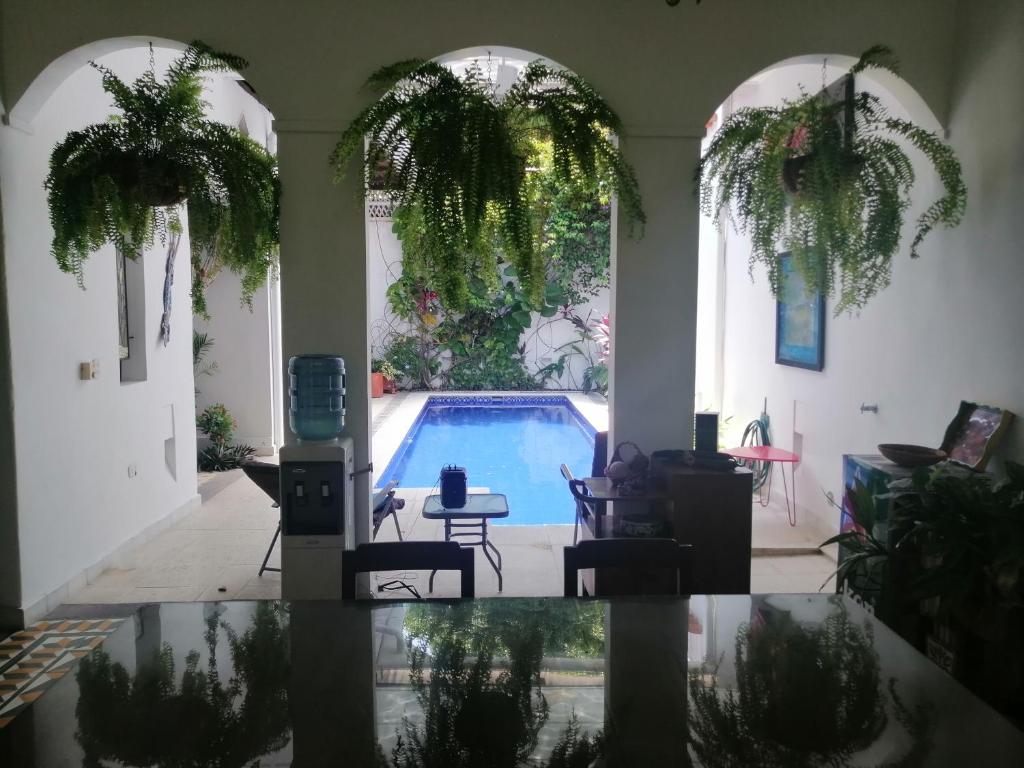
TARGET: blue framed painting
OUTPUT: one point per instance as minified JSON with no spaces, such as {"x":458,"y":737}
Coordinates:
{"x":799,"y":320}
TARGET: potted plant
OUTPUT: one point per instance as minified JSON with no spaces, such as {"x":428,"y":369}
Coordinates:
{"x":457,"y":148}
{"x":390,"y":374}
{"x":121,"y":181}
{"x":948,"y":574}
{"x":828,"y":180}
{"x":376,"y":379}
{"x":967,"y":532}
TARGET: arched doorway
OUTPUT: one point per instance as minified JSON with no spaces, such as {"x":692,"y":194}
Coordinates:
{"x":119,"y":431}
{"x":815,"y":414}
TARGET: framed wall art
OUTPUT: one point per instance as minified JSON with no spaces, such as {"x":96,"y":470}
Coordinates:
{"x":799,"y":320}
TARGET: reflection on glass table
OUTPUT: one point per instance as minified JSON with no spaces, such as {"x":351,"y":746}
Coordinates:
{"x":795,"y":680}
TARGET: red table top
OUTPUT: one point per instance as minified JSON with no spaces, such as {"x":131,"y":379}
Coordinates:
{"x":763,"y":453}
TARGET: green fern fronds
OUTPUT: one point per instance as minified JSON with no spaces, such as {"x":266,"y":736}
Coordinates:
{"x":843,"y":225}
{"x":103,"y":179}
{"x":458,"y":151}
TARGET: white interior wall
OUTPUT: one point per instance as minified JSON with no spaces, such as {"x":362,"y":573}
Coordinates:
{"x":94,"y":464}
{"x":542,"y":340}
{"x":946,"y":329}
{"x":710,"y":307}
{"x":246,"y":341}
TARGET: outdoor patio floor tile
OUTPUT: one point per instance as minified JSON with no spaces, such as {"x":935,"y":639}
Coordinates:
{"x":223,"y":543}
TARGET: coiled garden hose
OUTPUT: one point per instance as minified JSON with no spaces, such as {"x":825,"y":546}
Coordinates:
{"x":757,"y":433}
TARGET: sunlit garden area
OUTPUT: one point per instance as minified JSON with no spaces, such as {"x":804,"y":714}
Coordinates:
{"x":511,"y":294}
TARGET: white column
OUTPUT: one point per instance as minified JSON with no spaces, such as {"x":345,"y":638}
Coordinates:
{"x":10,"y":553}
{"x":324,"y":279}
{"x":654,"y":300}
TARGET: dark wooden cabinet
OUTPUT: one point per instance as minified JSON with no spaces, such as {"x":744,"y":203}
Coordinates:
{"x":710,"y":510}
{"x":713,"y":512}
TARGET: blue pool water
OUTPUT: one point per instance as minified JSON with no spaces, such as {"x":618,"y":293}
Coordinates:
{"x":515,"y":448}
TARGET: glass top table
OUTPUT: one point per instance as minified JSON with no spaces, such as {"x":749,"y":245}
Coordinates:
{"x":779,"y":680}
{"x":478,"y":505}
{"x":479,"y":508}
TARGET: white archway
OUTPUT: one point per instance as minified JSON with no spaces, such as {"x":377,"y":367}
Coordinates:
{"x":24,"y":111}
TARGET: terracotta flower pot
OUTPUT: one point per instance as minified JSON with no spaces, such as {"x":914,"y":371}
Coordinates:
{"x":376,"y":385}
{"x":390,"y":386}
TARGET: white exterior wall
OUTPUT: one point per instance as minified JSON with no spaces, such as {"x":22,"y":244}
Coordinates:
{"x":542,"y":339}
{"x":99,"y":462}
{"x":947,"y":328}
{"x":247,"y":343}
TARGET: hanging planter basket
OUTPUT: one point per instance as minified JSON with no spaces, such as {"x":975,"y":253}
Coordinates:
{"x":161,"y":183}
{"x":120,"y":181}
{"x":827,"y":178}
{"x":154,"y":181}
{"x":793,"y":173}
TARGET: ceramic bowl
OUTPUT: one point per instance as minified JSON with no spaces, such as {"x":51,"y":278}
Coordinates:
{"x":911,"y":456}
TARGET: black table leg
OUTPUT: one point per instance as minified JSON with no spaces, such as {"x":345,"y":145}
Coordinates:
{"x":447,"y":537}
{"x":273,"y":541}
{"x":484,"y":544}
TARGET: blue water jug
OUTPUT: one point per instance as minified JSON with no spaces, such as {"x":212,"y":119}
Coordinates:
{"x":316,"y":384}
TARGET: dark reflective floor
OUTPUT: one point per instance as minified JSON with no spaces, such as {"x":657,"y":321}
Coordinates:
{"x":713,"y":681}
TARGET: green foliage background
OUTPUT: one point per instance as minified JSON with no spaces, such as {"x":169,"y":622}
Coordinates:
{"x":477,"y":341}
{"x":460,"y":152}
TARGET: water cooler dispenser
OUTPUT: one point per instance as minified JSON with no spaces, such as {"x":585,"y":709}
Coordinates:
{"x":317,"y":497}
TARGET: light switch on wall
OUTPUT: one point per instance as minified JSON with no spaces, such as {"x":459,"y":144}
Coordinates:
{"x":89,"y":370}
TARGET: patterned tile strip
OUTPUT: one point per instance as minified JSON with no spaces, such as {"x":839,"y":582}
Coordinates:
{"x":35,"y":658}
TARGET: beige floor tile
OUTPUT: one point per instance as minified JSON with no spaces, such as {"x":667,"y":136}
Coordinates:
{"x":260,"y":588}
{"x":101,"y":594}
{"x":175,"y":575}
{"x":231,"y":580}
{"x":800,"y":564}
{"x":163,"y":594}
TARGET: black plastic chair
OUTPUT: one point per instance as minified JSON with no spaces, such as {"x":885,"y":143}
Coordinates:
{"x":407,"y":556}
{"x":629,"y":554}
{"x":268,"y":478}
{"x":385,"y":504}
{"x":584,"y":503}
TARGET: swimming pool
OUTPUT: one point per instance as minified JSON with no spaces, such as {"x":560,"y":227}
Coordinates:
{"x":512,"y":444}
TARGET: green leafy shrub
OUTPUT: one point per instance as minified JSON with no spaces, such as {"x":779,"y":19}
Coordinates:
{"x":415,"y":360}
{"x":119,"y":182}
{"x":218,"y":425}
{"x":479,"y":343}
{"x":849,"y":188}
{"x":201,"y":346}
{"x":385,"y":369}
{"x":220,"y":457}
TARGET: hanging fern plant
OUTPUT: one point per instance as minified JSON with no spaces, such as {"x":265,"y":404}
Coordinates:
{"x":119,"y":182}
{"x":457,"y":148}
{"x":828,"y":180}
